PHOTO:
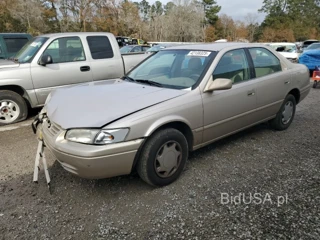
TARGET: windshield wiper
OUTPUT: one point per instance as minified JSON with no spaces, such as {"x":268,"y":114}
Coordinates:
{"x":151,"y":83}
{"x":128,"y":78}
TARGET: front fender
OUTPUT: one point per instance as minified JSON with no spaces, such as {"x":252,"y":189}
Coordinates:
{"x":163,"y":121}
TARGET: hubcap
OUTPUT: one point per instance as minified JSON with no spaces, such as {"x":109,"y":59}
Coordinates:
{"x":287,"y":112}
{"x":9,"y":111}
{"x":168,"y":159}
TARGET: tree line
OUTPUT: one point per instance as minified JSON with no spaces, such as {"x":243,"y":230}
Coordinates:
{"x":178,"y":20}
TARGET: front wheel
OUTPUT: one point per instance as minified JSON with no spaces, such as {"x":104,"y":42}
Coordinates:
{"x":163,"y":157}
{"x":13,"y":107}
{"x":285,"y":115}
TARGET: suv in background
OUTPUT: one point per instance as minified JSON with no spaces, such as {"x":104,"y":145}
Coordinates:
{"x":123,"y":41}
{"x":307,"y":43}
{"x":11,"y":43}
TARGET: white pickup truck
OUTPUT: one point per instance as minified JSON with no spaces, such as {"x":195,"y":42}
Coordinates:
{"x":58,"y":60}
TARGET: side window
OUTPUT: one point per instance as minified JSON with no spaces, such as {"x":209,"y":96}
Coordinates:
{"x":100,"y":47}
{"x":15,"y":44}
{"x":264,"y":62}
{"x":68,"y":49}
{"x":233,"y":65}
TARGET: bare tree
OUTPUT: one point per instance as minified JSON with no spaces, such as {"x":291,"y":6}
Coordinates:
{"x":251,"y":20}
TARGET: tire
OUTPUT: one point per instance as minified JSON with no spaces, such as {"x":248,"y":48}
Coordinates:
{"x":13,"y":108}
{"x":315,"y":83}
{"x":166,"y":143}
{"x":282,"y":122}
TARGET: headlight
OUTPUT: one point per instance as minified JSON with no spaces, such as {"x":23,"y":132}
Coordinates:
{"x":97,"y":136}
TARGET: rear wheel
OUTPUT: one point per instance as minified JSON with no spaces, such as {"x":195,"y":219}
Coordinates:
{"x":163,"y":157}
{"x":285,"y":115}
{"x":315,"y":83}
{"x":13,"y":107}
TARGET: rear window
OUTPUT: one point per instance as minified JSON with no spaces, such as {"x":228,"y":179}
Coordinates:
{"x":100,"y":47}
{"x":15,"y":44}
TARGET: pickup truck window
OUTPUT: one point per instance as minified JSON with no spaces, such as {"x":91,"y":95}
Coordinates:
{"x":100,"y":47}
{"x":15,"y":44}
{"x":67,"y":49}
{"x":29,"y":50}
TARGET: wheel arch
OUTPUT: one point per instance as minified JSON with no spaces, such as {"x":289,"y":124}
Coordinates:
{"x":178,"y":123}
{"x":17,"y":89}
{"x":296,"y":93}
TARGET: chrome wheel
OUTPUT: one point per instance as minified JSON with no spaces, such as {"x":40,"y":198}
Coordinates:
{"x":287,"y":112}
{"x":168,"y":159}
{"x":9,"y":111}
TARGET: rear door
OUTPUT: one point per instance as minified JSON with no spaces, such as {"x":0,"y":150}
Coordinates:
{"x":105,"y":62}
{"x":273,"y":82}
{"x":70,"y":66}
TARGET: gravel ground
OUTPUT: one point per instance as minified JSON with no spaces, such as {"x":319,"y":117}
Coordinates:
{"x":273,"y":165}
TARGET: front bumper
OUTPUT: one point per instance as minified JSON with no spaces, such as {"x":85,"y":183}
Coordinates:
{"x":90,"y":161}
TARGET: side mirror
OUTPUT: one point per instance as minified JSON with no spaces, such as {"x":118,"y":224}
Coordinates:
{"x":218,"y":84}
{"x":45,"y":59}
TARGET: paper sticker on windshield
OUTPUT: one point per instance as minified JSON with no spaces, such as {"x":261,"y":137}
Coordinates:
{"x":199,"y":53}
{"x":35,"y":44}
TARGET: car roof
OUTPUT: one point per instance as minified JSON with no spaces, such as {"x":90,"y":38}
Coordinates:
{"x":282,"y":43}
{"x":15,"y":34}
{"x":72,"y":34}
{"x":214,"y":46}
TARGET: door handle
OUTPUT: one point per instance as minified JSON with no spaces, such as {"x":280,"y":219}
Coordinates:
{"x":84,"y":68}
{"x":286,"y":82}
{"x":251,"y":93}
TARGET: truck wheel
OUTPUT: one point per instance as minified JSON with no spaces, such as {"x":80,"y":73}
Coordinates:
{"x":13,"y":107}
{"x":285,"y":115}
{"x":163,"y":157}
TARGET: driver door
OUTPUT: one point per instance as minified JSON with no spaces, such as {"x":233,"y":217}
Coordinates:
{"x":70,"y":66}
{"x":227,"y":111}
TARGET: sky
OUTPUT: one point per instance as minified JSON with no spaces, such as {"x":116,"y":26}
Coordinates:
{"x":238,"y":9}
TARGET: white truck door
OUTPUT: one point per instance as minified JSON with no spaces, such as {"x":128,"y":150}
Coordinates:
{"x":70,"y":66}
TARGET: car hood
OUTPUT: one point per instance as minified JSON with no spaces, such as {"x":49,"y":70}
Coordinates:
{"x":8,"y":64}
{"x":97,"y":104}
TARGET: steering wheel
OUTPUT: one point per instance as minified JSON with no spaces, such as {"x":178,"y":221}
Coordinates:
{"x":194,"y":76}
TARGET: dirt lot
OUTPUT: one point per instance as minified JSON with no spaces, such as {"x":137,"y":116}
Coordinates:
{"x":281,"y":168}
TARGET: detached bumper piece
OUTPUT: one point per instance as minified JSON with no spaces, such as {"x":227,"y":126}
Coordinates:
{"x":41,"y":156}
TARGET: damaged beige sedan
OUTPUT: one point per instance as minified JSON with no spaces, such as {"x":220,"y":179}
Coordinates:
{"x":176,"y":101}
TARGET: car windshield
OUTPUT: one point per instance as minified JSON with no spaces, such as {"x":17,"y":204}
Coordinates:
{"x":126,"y":49}
{"x":286,"y":47}
{"x":177,"y":69}
{"x":314,"y":46}
{"x":29,"y":50}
